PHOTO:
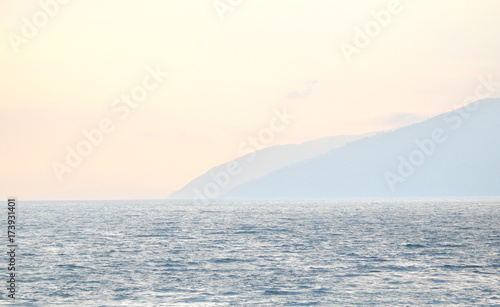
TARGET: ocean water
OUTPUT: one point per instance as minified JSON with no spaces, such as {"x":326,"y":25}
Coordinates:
{"x":315,"y":253}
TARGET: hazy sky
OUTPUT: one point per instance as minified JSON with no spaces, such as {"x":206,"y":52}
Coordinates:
{"x":231,"y":67}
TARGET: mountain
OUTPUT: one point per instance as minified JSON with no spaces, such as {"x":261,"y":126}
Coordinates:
{"x":222,"y":178}
{"x":456,"y":154}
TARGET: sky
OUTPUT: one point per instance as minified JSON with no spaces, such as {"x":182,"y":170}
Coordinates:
{"x":123,"y":99}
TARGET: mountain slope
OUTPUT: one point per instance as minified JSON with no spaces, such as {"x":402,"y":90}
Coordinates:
{"x":454,"y":154}
{"x":258,"y":164}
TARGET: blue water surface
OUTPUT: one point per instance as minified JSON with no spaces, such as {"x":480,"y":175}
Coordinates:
{"x":268,"y":253}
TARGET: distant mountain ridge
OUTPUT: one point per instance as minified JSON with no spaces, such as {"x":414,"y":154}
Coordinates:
{"x":220,"y":179}
{"x":456,"y":154}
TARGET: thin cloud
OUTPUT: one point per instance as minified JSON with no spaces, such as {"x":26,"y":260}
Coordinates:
{"x":402,"y":119}
{"x":302,"y":94}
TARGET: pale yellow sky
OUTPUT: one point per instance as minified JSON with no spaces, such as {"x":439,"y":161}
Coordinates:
{"x":64,"y":65}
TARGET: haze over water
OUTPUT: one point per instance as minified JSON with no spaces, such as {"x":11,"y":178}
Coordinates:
{"x":102,"y":101}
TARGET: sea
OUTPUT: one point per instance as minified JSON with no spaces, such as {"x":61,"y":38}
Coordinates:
{"x":422,"y":252}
